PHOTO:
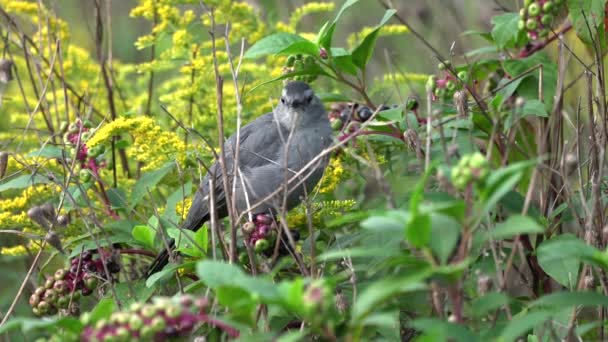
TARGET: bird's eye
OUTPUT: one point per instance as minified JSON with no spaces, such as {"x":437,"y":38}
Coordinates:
{"x":309,"y":99}
{"x":282,"y":100}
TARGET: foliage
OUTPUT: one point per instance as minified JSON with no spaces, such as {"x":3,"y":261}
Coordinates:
{"x":475,"y":214}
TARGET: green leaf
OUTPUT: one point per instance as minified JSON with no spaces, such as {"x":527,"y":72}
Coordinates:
{"x":522,"y":323}
{"x":394,"y":114}
{"x":133,"y":292}
{"x":363,"y":53}
{"x":501,"y":182}
{"x":218,"y":274}
{"x":492,"y":301}
{"x":535,"y":108}
{"x":144,"y":234}
{"x":47,"y":151}
{"x":418,"y":231}
{"x":309,"y":69}
{"x":27,"y":324}
{"x":148,"y":181}
{"x":390,"y":222}
{"x":449,"y":231}
{"x":103,"y":309}
{"x":272,"y":44}
{"x":559,"y":300}
{"x":560,"y":258}
{"x":528,"y":88}
{"x":167,"y":271}
{"x":592,"y":11}
{"x":304,"y":47}
{"x":345,"y":64}
{"x":185,"y":244}
{"x":515,"y":225}
{"x":504,"y":30}
{"x":379,"y":292}
{"x":332,"y":97}
{"x":22,"y":182}
{"x":454,"y":331}
{"x":325,"y":35}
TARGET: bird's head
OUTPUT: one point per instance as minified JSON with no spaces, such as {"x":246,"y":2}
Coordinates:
{"x":298,"y":102}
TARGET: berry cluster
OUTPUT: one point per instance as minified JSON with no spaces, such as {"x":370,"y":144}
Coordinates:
{"x":342,"y":114}
{"x":68,"y":284}
{"x":537,"y":16}
{"x":260,"y":233}
{"x":161,"y":320}
{"x":297,"y":63}
{"x":447,"y":85}
{"x":90,"y":160}
{"x":165,"y":319}
{"x":472,"y":167}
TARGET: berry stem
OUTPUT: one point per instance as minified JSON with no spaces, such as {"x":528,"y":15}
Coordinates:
{"x":530,"y":50}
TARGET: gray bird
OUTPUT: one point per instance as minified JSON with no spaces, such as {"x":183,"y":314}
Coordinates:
{"x":272,"y":147}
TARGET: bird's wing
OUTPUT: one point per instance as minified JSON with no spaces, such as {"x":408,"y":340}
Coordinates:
{"x":260,"y":143}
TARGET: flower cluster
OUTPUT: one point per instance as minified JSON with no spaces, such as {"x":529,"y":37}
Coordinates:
{"x":537,"y":16}
{"x":64,"y":288}
{"x":471,"y":168}
{"x":152,"y":145}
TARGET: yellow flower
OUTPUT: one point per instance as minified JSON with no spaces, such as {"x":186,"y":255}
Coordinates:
{"x":386,"y":30}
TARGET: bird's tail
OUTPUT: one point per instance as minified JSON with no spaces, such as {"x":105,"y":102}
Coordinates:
{"x":160,"y":261}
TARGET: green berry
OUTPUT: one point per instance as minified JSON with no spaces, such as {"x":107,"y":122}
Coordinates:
{"x":463,"y":76}
{"x":101,"y":324}
{"x":547,"y":19}
{"x":523,"y":13}
{"x":309,"y":60}
{"x":531,"y":24}
{"x":90,"y":281}
{"x":63,"y":302}
{"x":521,"y":25}
{"x":477,"y":160}
{"x":173,"y":311}
{"x":431,"y":83}
{"x":34,"y":300}
{"x":412,"y":103}
{"x":122,"y":334}
{"x":148,"y":311}
{"x":336,"y":124}
{"x":158,"y":324}
{"x":63,"y":126}
{"x":39,"y":291}
{"x":261,"y":245}
{"x":444,"y":65}
{"x":87,"y":124}
{"x":60,"y":274}
{"x":60,"y":286}
{"x":73,"y":128}
{"x":147,"y":333}
{"x":440,"y":92}
{"x":43,"y":307}
{"x":534,"y":9}
{"x":135,"y":322}
{"x":557,"y":3}
{"x":544,"y":33}
{"x":548,"y":6}
{"x":527,"y":2}
{"x":450,"y":86}
{"x":84,"y":175}
{"x":243,"y":258}
{"x":290,"y":61}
